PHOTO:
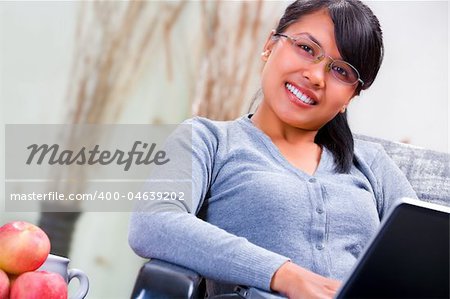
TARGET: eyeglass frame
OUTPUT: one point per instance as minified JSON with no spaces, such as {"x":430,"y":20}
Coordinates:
{"x":322,"y":56}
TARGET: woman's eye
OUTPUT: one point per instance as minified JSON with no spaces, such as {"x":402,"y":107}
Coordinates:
{"x":306,"y":48}
{"x":340,"y":71}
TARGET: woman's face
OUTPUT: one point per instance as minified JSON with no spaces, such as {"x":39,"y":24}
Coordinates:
{"x":286,"y":72}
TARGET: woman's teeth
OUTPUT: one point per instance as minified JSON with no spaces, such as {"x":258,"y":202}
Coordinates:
{"x":305,"y":99}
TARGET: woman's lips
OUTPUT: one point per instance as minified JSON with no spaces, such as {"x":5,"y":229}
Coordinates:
{"x":299,"y":96}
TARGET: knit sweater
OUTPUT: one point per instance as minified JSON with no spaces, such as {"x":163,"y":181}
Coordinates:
{"x":251,"y":210}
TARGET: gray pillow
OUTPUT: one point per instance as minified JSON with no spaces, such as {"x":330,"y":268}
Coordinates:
{"x":428,"y":171}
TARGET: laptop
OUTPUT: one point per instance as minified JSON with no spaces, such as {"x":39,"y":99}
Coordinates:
{"x":409,"y":257}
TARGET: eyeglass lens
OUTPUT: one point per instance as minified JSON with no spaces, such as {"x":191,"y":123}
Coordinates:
{"x":312,"y":52}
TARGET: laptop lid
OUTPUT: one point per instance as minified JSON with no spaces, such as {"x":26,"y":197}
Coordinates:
{"x":409,"y":257}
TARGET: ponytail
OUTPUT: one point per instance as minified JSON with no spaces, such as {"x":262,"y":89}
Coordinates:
{"x":338,"y":139}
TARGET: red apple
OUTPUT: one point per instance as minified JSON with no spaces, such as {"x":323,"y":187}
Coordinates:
{"x":4,"y":285}
{"x":12,"y":279}
{"x":39,"y":285}
{"x":23,"y":247}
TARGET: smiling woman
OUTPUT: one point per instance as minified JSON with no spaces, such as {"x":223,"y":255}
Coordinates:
{"x":285,"y":198}
{"x":324,"y":38}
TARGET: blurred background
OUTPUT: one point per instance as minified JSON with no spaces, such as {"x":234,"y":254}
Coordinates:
{"x":153,"y":62}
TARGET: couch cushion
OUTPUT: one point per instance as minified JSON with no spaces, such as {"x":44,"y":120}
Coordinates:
{"x":428,"y":171}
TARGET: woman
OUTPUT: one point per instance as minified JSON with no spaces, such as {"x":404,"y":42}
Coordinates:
{"x":287,"y":199}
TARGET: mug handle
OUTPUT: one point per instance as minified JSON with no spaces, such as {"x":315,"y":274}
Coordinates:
{"x":84,"y":282}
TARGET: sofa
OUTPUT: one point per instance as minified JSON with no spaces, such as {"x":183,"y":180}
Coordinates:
{"x":427,"y":171}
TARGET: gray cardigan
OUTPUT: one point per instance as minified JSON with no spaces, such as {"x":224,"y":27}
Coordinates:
{"x":259,"y":211}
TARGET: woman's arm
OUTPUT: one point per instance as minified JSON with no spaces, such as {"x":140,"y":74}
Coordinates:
{"x":391,"y":182}
{"x":169,"y":230}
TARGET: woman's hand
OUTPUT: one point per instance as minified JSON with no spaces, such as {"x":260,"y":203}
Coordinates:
{"x":296,"y":282}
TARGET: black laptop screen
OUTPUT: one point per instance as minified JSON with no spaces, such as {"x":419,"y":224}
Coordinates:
{"x":409,"y":258}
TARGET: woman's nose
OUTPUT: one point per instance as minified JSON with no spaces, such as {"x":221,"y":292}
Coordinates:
{"x":316,"y":73}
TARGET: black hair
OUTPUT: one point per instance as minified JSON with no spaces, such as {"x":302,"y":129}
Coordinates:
{"x":360,"y":43}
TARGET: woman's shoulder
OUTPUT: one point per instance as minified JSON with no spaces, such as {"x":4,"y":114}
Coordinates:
{"x":214,"y":128}
{"x":368,"y":151}
{"x":203,"y":123}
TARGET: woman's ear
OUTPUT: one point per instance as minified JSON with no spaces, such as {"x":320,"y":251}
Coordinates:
{"x":356,"y":93}
{"x":349,"y":101}
{"x":268,"y":46}
{"x":344,"y":108}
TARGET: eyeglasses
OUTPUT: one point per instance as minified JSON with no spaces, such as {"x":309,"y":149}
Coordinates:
{"x":310,"y":51}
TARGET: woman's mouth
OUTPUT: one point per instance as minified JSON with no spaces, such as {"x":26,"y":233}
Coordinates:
{"x":299,"y":95}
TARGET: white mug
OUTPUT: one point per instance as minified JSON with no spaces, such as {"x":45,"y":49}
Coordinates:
{"x":59,"y":264}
